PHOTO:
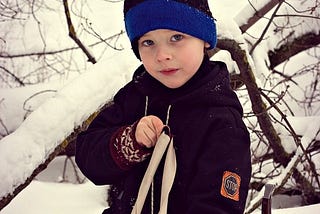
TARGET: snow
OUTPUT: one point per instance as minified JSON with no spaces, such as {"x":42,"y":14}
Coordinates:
{"x":58,"y":198}
{"x":227,"y":28}
{"x":249,"y":10}
{"x":47,"y":195}
{"x":67,"y":102}
{"x":70,"y":106}
{"x":311,"y":209}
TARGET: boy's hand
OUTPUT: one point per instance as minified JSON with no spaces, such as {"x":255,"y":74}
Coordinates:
{"x":148,"y":130}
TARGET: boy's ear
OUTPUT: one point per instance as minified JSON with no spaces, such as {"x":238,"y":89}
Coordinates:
{"x":206,"y":45}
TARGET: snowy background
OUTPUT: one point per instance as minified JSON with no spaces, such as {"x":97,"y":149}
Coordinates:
{"x":70,"y":98}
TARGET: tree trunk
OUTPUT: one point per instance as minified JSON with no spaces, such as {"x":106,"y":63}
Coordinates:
{"x":258,"y":106}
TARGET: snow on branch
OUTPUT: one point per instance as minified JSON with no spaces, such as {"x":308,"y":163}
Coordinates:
{"x":46,"y":131}
{"x":253,"y":12}
{"x":278,"y":182}
{"x":258,"y":106}
{"x":291,"y":48}
{"x":311,"y":133}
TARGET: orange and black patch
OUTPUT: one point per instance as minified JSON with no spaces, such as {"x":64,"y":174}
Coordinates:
{"x":230,"y":185}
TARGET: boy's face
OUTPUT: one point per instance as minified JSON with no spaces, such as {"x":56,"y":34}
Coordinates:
{"x":171,"y":57}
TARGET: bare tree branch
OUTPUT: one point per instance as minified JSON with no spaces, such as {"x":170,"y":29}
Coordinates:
{"x":259,"y":14}
{"x":21,"y":83}
{"x":4,"y":201}
{"x":11,"y":56}
{"x":291,"y":48}
{"x":265,"y":29}
{"x":296,"y":139}
{"x":284,"y":178}
{"x":73,"y":35}
{"x":258,"y":106}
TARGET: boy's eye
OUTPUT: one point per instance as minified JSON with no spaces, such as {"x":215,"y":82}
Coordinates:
{"x":177,"y":37}
{"x":147,"y":43}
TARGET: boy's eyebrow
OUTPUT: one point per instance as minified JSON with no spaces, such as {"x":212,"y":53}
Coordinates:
{"x":143,"y":38}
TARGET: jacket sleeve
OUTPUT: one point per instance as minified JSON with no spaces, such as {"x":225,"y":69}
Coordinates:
{"x":93,"y":155}
{"x":221,"y":182}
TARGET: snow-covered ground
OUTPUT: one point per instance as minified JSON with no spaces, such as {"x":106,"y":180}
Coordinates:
{"x":47,"y":195}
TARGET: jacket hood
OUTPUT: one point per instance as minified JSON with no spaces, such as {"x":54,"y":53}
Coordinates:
{"x":210,"y":85}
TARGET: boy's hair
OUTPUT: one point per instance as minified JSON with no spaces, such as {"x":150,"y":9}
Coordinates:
{"x":192,"y":17}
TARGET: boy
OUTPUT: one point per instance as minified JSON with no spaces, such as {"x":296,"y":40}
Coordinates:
{"x":179,"y":87}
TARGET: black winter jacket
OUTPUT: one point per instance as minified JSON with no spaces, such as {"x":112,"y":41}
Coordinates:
{"x":211,"y":142}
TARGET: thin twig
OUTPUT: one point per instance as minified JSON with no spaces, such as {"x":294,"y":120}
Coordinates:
{"x":266,"y":28}
{"x":294,"y":134}
{"x":72,"y":34}
{"x":4,"y":55}
{"x":13,"y":75}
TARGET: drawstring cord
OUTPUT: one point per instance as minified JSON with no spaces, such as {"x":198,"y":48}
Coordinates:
{"x":146,"y":106}
{"x":167,"y":123}
{"x":168,"y":115}
{"x":152,"y":184}
{"x":164,"y":145}
{"x":146,"y":110}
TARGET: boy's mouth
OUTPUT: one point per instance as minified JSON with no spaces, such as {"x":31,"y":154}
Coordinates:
{"x":169,"y":71}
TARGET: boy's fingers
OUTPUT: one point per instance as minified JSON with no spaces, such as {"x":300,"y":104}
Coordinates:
{"x":157,"y":125}
{"x":145,"y":133}
{"x":150,"y":138}
{"x":148,"y":130}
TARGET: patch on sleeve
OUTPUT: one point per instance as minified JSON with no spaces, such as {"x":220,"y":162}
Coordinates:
{"x":230,"y":185}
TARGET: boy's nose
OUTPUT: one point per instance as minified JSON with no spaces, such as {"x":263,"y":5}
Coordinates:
{"x":163,"y":53}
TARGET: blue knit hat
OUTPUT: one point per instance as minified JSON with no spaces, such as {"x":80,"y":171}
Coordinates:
{"x":190,"y":17}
